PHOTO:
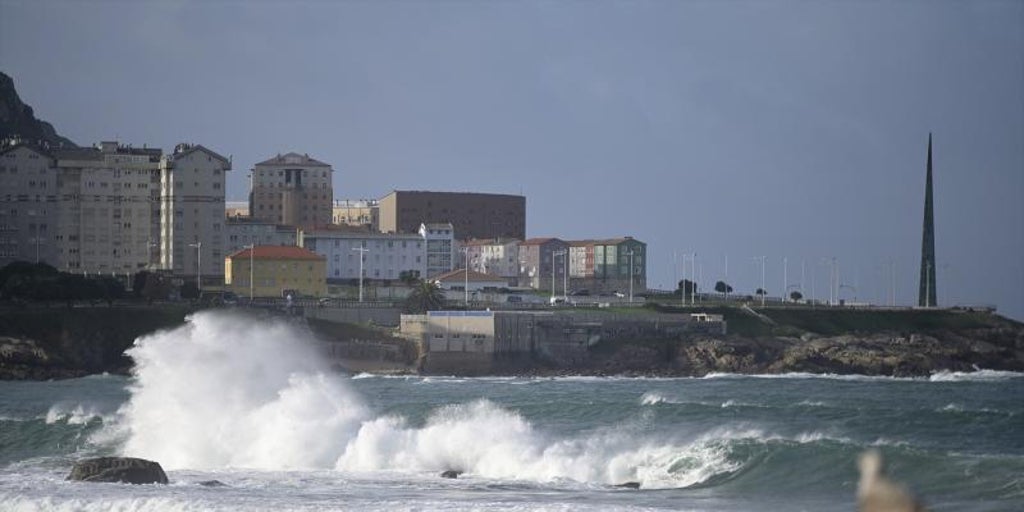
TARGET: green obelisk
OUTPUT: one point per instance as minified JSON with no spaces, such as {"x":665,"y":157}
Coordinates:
{"x":926,"y":293}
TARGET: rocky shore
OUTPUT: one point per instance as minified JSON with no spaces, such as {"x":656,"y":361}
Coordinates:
{"x":46,"y":344}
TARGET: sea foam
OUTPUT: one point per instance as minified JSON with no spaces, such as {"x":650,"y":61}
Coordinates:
{"x":227,"y":390}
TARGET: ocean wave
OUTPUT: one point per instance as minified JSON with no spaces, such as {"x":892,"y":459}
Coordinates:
{"x":73,"y":415}
{"x":977,"y":375}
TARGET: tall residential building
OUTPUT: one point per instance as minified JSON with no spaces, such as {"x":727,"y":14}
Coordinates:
{"x":440,"y":240}
{"x":108,"y":208}
{"x":540,"y":261}
{"x":361,"y":213}
{"x":384,"y":255}
{"x":28,"y":205}
{"x":292,"y":189}
{"x":473,"y":215}
{"x":192,"y":223}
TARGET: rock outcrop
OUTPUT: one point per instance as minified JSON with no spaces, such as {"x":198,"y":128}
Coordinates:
{"x":127,"y":470}
{"x":18,"y":119}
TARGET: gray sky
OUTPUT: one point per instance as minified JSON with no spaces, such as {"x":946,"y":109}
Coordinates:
{"x":783,"y":129}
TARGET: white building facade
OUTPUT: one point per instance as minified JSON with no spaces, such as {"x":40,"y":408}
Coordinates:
{"x":499,"y":257}
{"x":440,"y":249}
{"x":384,"y":256}
{"x":28,"y":205}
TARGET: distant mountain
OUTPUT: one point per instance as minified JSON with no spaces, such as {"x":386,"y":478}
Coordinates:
{"x":17,"y":118}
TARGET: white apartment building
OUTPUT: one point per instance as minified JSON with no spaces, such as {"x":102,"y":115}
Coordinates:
{"x":243,"y":231}
{"x":292,"y":189}
{"x":384,"y":256}
{"x":192,"y":224}
{"x":28,"y":205}
{"x":498,"y":257}
{"x":440,"y":238}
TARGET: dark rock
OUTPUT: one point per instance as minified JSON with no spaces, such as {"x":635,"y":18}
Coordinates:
{"x":629,"y":485}
{"x":127,"y":470}
{"x":451,"y":473}
{"x":212,"y":483}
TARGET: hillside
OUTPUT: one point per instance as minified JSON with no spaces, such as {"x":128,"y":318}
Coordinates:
{"x":18,"y":119}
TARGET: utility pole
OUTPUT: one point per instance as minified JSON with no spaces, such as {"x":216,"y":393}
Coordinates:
{"x":252,"y":249}
{"x":631,"y":276}
{"x":465,"y":276}
{"x":199,"y":265}
{"x":785,"y":278}
{"x":761,"y":259}
{"x":362,"y":251}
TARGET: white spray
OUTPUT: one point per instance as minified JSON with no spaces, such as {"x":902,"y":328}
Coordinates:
{"x":230,"y":391}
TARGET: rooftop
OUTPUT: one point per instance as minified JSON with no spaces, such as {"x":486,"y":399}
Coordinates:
{"x":296,"y":159}
{"x":277,"y":252}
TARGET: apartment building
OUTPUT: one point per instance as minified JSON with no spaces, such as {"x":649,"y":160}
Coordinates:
{"x":275,"y":271}
{"x":499,"y":257}
{"x":292,"y":189}
{"x":440,"y":240}
{"x":28,"y":204}
{"x":540,"y":261}
{"x":473,"y":215}
{"x":108,"y":208}
{"x":192,"y":224}
{"x":384,"y":255}
{"x":604,"y":266}
{"x":361,"y":213}
{"x":243,"y":231}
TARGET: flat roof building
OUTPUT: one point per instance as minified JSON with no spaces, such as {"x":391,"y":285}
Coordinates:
{"x":473,"y":215}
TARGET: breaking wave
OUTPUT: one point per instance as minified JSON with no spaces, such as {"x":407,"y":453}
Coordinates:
{"x":225,"y":391}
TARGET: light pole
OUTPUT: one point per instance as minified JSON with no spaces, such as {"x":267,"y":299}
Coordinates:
{"x":785,"y":278}
{"x":553,"y":254}
{"x":199,"y":265}
{"x":252,"y":249}
{"x":362,"y":251}
{"x":760,"y":259}
{"x":631,"y":276}
{"x":465,"y":276}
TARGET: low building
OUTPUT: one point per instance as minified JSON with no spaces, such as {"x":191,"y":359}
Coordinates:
{"x":275,"y":271}
{"x":460,"y":279}
{"x":605,"y":266}
{"x":542,"y":263}
{"x":499,"y":257}
{"x":234,"y":209}
{"x":383,"y":255}
{"x":360,"y":213}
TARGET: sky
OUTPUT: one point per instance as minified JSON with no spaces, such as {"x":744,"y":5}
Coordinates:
{"x":793,"y":130}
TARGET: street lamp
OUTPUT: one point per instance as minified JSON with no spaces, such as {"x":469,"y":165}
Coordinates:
{"x":252,"y":249}
{"x":362,"y":251}
{"x":199,"y":265}
{"x":553,"y":254}
{"x":631,"y":276}
{"x":764,"y":292}
{"x":465,"y":275}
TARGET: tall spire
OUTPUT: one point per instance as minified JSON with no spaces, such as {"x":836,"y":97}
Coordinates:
{"x":926,"y":292}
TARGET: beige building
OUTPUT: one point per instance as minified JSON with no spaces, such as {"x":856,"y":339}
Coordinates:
{"x":292,"y":189}
{"x":360,"y":213}
{"x":28,"y":204}
{"x":192,"y":224}
{"x":276,"y":271}
{"x":473,"y":215}
{"x":108,"y":208}
{"x":233,"y":209}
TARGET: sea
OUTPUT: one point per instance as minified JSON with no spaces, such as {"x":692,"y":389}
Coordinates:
{"x":250,"y":404}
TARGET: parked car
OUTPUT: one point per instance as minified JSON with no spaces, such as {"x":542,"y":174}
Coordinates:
{"x":513,"y":299}
{"x":619,"y":294}
{"x":557,"y":300}
{"x":580,"y":293}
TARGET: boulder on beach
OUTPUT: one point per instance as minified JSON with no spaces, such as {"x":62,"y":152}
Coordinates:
{"x":451,"y":473}
{"x":127,"y":470}
{"x":629,"y":485}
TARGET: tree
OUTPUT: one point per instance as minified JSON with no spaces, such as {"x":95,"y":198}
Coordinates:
{"x":723,"y":288}
{"x":796,"y":296}
{"x":760,"y":292}
{"x":686,"y":287}
{"x":426,"y":296}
